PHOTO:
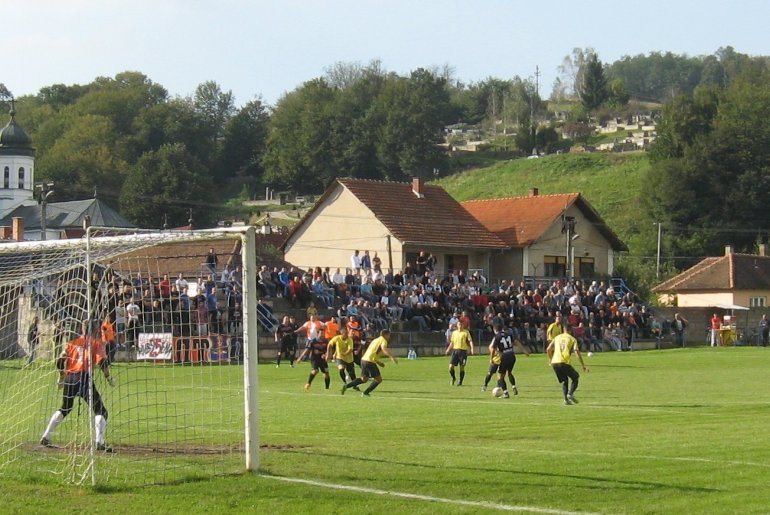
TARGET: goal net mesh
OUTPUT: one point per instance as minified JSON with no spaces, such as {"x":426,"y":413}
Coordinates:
{"x":170,"y":320}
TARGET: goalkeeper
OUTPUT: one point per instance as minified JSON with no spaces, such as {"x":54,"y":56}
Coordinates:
{"x":74,"y":365}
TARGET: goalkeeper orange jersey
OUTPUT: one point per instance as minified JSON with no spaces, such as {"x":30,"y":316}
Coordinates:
{"x":78,"y":357}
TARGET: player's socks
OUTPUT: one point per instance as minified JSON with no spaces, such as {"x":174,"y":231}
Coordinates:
{"x":342,"y":375}
{"x":354,"y":383}
{"x":371,"y":388}
{"x":56,"y":419}
{"x":327,"y":381}
{"x":462,"y":376}
{"x":310,"y":378}
{"x":452,"y":373}
{"x":501,"y":384}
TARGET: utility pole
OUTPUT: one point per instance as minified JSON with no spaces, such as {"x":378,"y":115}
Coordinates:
{"x":568,"y":227}
{"x":532,"y":125}
{"x":657,"y":264}
{"x":43,"y":196}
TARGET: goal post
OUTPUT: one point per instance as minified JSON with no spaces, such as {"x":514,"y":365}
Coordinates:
{"x":177,"y":334}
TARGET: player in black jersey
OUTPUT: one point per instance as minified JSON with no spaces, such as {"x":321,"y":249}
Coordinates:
{"x":287,"y":341}
{"x":502,"y":344}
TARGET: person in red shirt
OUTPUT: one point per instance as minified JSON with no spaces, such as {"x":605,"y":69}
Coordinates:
{"x":716,"y":324}
{"x":75,"y":364}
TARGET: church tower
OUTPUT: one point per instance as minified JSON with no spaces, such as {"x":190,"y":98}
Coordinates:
{"x":17,"y":160}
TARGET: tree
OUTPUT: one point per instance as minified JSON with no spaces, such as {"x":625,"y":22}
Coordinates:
{"x":215,"y":107}
{"x":83,"y":159}
{"x":593,"y":86}
{"x":413,"y":113}
{"x":245,"y":142}
{"x":618,"y":96}
{"x":715,"y":146}
{"x":168,"y":183}
{"x":300,"y":154}
{"x":571,"y":71}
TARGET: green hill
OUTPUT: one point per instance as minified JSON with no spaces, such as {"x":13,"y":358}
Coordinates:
{"x":610,"y":182}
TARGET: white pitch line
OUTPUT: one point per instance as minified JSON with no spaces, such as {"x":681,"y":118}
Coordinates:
{"x":429,"y":498}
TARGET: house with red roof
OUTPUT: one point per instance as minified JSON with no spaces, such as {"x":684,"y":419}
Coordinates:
{"x":395,"y":220}
{"x":559,"y":235}
{"x":731,"y":281}
{"x":502,"y":238}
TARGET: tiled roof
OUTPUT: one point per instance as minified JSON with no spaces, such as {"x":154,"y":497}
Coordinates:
{"x":435,"y":219}
{"x":521,"y":221}
{"x":728,"y":272}
{"x":65,"y":215}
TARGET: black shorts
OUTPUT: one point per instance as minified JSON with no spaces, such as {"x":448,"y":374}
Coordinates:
{"x":459,"y":357}
{"x":369,"y":369}
{"x":287,"y":349}
{"x":564,"y":371}
{"x":507,"y":363}
{"x":317,"y":362}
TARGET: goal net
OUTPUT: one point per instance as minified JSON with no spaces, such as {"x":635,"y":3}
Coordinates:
{"x":166,"y":317}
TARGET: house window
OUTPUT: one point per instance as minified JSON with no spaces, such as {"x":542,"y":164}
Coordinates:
{"x":7,"y":178}
{"x":584,"y":267}
{"x":21,"y":178}
{"x":555,"y":266}
{"x":757,"y":302}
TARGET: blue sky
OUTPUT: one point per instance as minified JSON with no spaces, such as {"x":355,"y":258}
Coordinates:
{"x":266,"y":48}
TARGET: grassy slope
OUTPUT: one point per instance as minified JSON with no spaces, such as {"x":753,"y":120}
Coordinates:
{"x":675,"y":431}
{"x":610,"y":182}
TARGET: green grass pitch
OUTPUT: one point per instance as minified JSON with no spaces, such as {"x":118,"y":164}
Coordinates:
{"x":675,"y":431}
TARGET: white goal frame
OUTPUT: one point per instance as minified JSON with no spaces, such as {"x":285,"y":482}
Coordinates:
{"x":100,"y":247}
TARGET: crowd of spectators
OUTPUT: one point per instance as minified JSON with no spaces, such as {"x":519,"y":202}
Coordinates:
{"x":427,"y":302}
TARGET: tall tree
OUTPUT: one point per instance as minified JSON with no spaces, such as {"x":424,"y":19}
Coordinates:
{"x":245,"y":142}
{"x":593,"y":85}
{"x":215,"y":106}
{"x":165,"y":185}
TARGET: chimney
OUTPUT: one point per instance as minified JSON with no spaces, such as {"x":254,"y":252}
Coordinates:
{"x":763,"y":249}
{"x":17,"y":228}
{"x":418,"y":187}
{"x":534,"y":192}
{"x":728,"y":250}
{"x":5,"y":232}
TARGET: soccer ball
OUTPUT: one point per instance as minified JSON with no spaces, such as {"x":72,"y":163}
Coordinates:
{"x":590,"y":354}
{"x":497,"y":391}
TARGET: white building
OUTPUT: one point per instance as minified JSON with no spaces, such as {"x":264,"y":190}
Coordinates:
{"x":17,"y":161}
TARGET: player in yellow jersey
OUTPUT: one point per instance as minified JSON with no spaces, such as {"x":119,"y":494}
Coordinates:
{"x":559,"y":353}
{"x":342,"y":345}
{"x":554,"y":329}
{"x":460,"y":342}
{"x":370,"y":361}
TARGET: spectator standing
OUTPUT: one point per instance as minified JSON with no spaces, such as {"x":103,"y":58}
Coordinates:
{"x":212,"y":261}
{"x":764,"y":330}
{"x":715,"y":324}
{"x":678,"y":326}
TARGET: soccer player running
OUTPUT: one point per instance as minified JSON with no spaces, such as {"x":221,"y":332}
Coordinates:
{"x":74,"y":365}
{"x":316,"y":347}
{"x":502,"y":348}
{"x":460,"y":342}
{"x":559,"y":353}
{"x":342,"y":344}
{"x":369,"y":364}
